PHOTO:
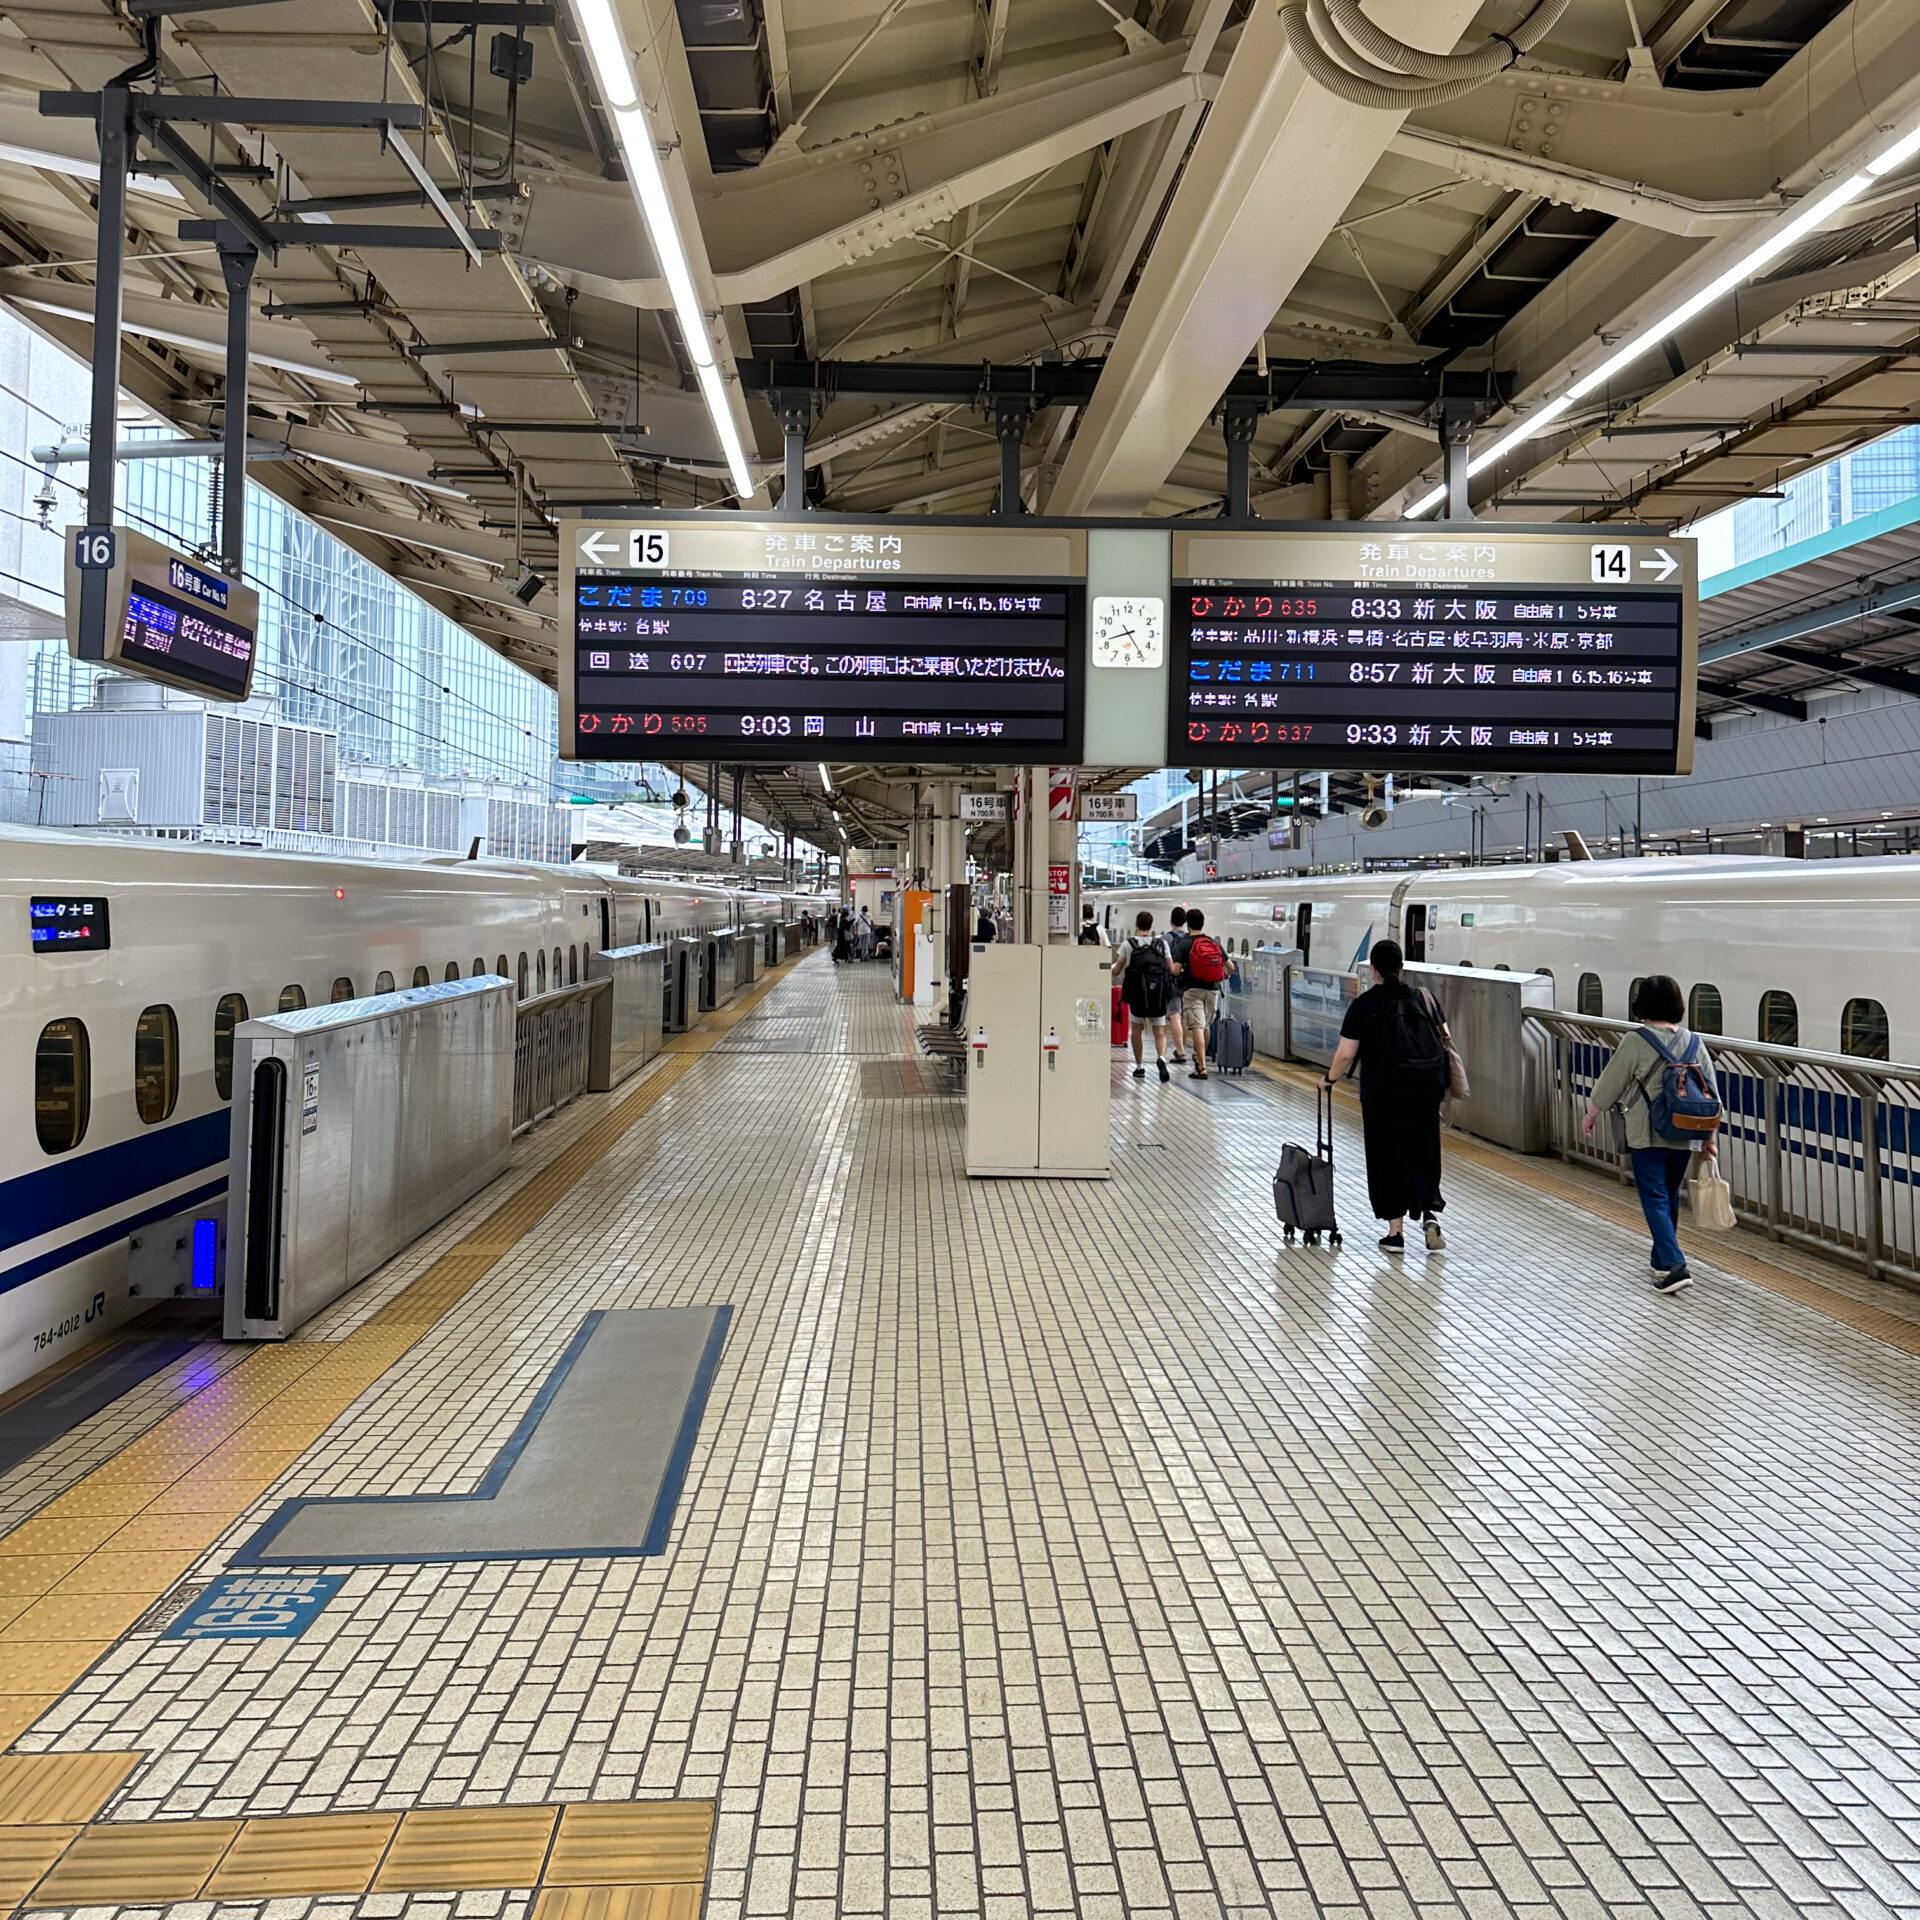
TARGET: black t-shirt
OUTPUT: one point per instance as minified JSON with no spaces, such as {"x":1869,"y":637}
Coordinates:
{"x":1366,"y":1022}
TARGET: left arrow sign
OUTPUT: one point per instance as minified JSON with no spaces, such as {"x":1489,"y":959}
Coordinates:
{"x":597,"y":549}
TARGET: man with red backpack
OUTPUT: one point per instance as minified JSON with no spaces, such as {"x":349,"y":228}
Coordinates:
{"x":1203,"y":972}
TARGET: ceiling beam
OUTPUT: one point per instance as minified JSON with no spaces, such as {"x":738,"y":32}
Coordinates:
{"x":1275,"y":168}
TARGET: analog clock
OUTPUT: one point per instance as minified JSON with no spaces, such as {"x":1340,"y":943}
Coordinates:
{"x":1128,"y":631}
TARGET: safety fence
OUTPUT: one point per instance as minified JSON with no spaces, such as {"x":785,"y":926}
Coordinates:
{"x":552,"y":1050}
{"x":1822,"y":1149}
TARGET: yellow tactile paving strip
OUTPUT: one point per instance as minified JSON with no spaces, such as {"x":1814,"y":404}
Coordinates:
{"x":1584,"y":1190}
{"x":84,"y":1568}
{"x":640,"y":1860}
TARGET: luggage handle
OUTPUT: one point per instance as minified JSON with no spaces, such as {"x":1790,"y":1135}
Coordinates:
{"x":1323,"y":1121}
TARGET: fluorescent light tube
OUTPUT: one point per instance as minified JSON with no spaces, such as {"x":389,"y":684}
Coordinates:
{"x":715,"y":388}
{"x":1896,"y":155}
{"x":826,"y":779}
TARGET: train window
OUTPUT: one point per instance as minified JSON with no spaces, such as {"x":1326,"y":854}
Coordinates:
{"x":1592,"y":996}
{"x":1703,"y":1009}
{"x":540,"y":972}
{"x":573,"y":966}
{"x":1779,"y":1019}
{"x":520,"y":978}
{"x":62,"y":1085}
{"x":1545,"y":973}
{"x":1500,"y":966}
{"x":156,"y":1063}
{"x":292,"y":999}
{"x":1863,"y":1030}
{"x":1633,"y":996}
{"x":501,"y":968}
{"x":226,"y":1016}
{"x":423,"y":976}
{"x":453,"y":969}
{"x":342,"y":989}
{"x":556,"y":968}
{"x":383,"y":981}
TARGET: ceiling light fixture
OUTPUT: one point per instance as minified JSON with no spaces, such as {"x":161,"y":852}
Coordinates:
{"x":826,"y":779}
{"x":613,"y":69}
{"x":1781,"y":235}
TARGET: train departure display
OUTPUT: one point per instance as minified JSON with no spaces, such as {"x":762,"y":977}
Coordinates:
{"x":817,"y":661}
{"x":190,"y":640}
{"x":1474,"y":671}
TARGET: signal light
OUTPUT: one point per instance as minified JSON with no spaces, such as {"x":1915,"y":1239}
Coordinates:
{"x":339,"y":893}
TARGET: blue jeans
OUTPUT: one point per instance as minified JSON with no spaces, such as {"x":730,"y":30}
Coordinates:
{"x":1659,"y":1173}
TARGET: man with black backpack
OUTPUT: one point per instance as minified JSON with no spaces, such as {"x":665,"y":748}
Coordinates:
{"x":1396,"y":1033}
{"x":1146,"y":987}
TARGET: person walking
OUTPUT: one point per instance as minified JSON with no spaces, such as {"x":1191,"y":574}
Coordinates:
{"x":985,"y":930}
{"x":1639,"y":1080}
{"x":1178,"y":940}
{"x":863,"y":936}
{"x":1146,"y":988}
{"x":1090,"y":934}
{"x":1203,"y":972}
{"x":1397,"y":1034}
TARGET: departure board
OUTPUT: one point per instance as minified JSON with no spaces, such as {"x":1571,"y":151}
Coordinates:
{"x":67,"y":923}
{"x":193,"y":643}
{"x":171,"y":618}
{"x":1416,"y":669}
{"x":839,"y":653}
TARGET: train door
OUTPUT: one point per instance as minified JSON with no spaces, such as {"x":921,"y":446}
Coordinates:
{"x":1416,"y":936}
{"x":606,"y":924}
{"x":646,"y":919}
{"x":1303,"y":932}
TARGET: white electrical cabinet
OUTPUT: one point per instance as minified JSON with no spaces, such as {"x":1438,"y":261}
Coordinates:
{"x":1038,"y":1087}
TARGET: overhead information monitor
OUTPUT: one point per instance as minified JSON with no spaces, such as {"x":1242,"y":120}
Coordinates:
{"x":1430,"y":647}
{"x":745,"y":640}
{"x":169,"y":618}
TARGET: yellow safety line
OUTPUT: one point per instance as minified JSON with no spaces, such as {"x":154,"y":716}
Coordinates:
{"x":634,"y":1854}
{"x":1584,"y":1190}
{"x":82,"y":1570}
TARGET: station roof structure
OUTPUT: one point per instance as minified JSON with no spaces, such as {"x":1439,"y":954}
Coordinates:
{"x":1111,"y":227}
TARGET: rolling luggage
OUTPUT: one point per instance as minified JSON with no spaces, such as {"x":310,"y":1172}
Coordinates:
{"x":1303,"y":1183}
{"x":1121,"y":1022}
{"x":1232,"y":1047}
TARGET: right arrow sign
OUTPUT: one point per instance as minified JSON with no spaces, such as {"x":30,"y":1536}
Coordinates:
{"x":1666,"y":564}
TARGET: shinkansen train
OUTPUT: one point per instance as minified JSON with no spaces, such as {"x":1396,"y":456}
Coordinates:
{"x":1808,"y":953}
{"x":127,"y":964}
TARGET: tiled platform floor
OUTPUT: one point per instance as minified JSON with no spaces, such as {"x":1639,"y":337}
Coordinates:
{"x":1075,"y":1549}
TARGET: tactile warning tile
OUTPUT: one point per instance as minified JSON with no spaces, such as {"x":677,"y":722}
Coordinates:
{"x":41,"y":1788}
{"x":647,"y":1843}
{"x":302,"y":1855}
{"x":25,"y":1855}
{"x":142,"y":1863}
{"x":618,"y":1903}
{"x":447,"y":1847}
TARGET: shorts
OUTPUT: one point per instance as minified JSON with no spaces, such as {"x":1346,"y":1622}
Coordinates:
{"x":1156,"y":1021}
{"x":1196,"y":1008}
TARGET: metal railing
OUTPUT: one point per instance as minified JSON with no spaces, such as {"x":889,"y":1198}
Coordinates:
{"x":1822,"y":1149}
{"x":552,"y":1050}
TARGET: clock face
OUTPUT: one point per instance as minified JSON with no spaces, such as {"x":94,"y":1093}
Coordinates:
{"x":1128,"y":632}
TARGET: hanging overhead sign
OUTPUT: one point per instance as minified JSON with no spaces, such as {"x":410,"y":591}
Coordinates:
{"x":169,"y":618}
{"x":1434,"y":646}
{"x":733,"y":639}
{"x":1110,"y":807}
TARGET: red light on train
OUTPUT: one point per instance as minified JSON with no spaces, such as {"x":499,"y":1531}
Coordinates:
{"x":339,"y":893}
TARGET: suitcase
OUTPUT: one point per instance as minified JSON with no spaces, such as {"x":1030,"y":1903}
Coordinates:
{"x":1303,"y":1183}
{"x":1232,"y":1047}
{"x":1120,"y":1023}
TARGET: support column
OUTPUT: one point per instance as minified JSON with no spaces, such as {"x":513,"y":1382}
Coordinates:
{"x":1340,"y":486}
{"x":116,"y":150}
{"x":739,"y":790}
{"x":1455,"y":439}
{"x":1238,"y":421}
{"x":796,"y":416}
{"x":1010,"y":429}
{"x":236,"y":269}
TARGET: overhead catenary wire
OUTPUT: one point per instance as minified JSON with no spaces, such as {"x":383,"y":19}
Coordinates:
{"x":1359,"y":62}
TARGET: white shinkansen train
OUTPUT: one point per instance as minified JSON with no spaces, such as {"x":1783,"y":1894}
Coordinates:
{"x":1808,"y":953}
{"x":116,"y":1055}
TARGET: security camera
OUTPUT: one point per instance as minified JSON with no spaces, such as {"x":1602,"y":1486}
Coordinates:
{"x":529,"y":587}
{"x":1373,"y":814}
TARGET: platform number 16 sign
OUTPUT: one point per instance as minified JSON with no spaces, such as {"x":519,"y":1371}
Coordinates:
{"x":1613,"y":566}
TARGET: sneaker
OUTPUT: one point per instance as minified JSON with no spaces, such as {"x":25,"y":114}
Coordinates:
{"x":1677,"y":1280}
{"x":1165,"y":1076}
{"x":1393,"y":1243}
{"x":1436,"y":1240}
{"x":1139,"y":1073}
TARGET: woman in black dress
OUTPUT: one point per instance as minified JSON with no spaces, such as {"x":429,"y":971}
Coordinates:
{"x":1400,"y":1040}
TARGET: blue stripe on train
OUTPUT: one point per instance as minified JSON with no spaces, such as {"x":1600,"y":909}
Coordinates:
{"x":66,"y":1190}
{"x":11,"y":1277}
